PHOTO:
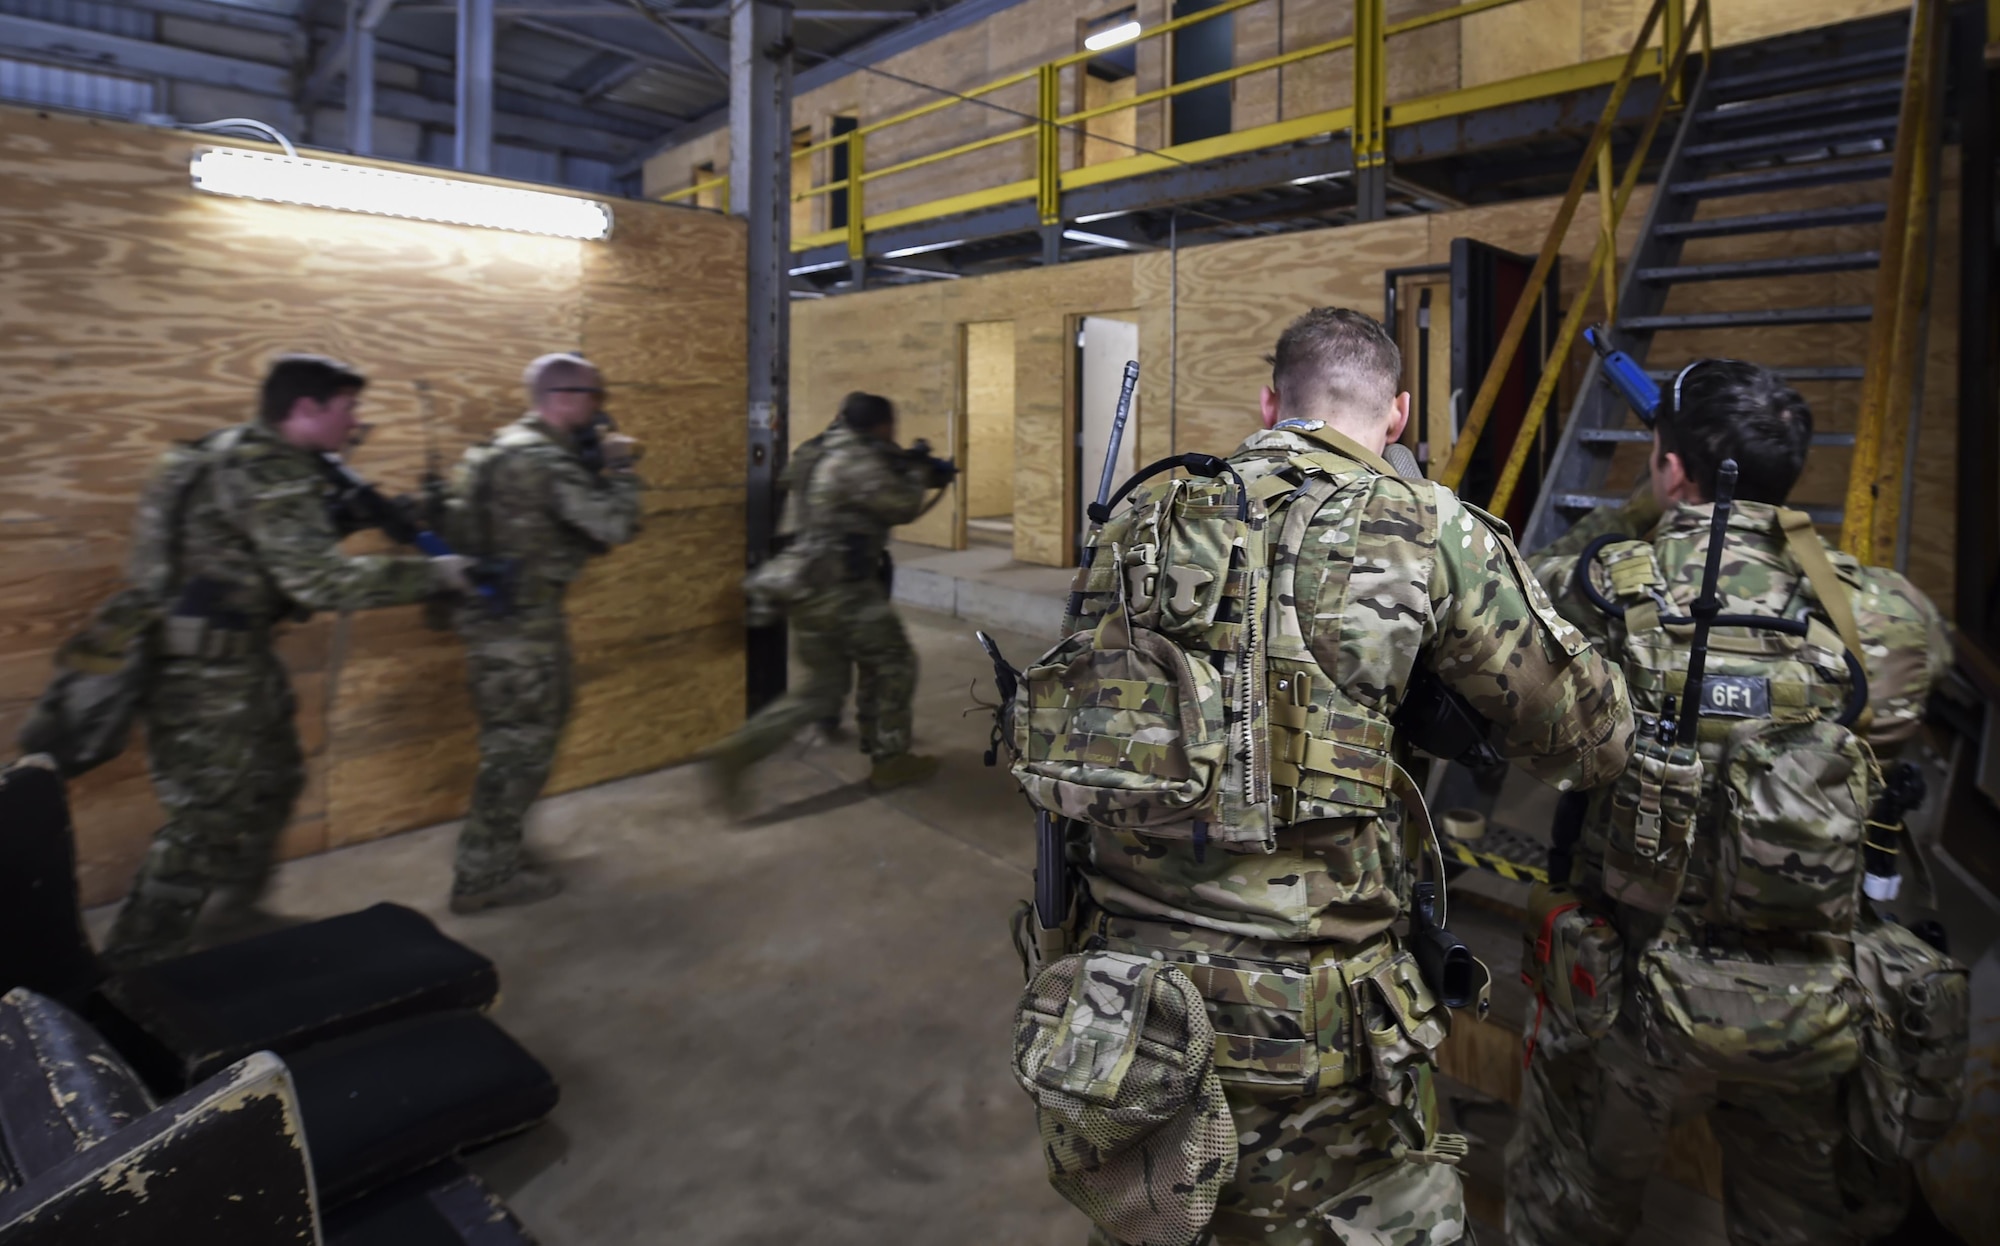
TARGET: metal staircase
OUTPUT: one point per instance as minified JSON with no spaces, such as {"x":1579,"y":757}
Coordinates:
{"x":1818,"y":110}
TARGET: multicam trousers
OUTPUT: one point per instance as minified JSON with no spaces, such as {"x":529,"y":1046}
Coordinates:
{"x":1329,"y":1167}
{"x":849,"y":633}
{"x":518,"y":669}
{"x":227,"y":768}
{"x":1593,"y":1124}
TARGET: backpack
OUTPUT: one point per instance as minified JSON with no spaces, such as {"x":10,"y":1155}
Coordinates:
{"x":1757,"y":824}
{"x":1183,"y":703}
{"x":84,"y":717}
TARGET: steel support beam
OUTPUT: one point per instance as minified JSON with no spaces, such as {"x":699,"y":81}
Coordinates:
{"x":472,"y":139}
{"x":360,"y":80}
{"x":760,"y":127}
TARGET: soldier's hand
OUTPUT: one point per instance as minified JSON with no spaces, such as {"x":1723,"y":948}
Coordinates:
{"x":452,"y":573}
{"x":621,"y":452}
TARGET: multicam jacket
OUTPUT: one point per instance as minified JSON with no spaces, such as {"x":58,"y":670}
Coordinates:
{"x":846,"y":491}
{"x":254,"y":521}
{"x":1405,"y":575}
{"x":526,"y":496}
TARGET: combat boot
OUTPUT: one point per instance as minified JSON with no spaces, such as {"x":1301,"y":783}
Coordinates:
{"x":901,"y":770}
{"x":522,"y":887}
{"x":722,"y":771}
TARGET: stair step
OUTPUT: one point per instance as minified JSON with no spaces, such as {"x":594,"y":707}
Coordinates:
{"x":1819,"y":173}
{"x":1840,"y":99}
{"x":1621,"y":436}
{"x":1781,"y":266}
{"x":1842,"y":372}
{"x":1751,"y":319}
{"x":1763,"y":82}
{"x":1770,"y":222}
{"x":1585,"y":502}
{"x":1793,"y":140}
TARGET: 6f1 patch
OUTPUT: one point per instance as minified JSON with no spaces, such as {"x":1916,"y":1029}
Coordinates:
{"x":1736,"y":696}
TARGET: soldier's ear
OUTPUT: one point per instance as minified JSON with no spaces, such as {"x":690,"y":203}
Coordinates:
{"x":1267,"y":402}
{"x":1399,"y":418}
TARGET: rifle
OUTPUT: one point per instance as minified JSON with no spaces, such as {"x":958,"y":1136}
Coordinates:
{"x":1903,"y":789}
{"x":1704,"y":610}
{"x":1624,"y":375}
{"x":1051,"y":864}
{"x":362,"y":505}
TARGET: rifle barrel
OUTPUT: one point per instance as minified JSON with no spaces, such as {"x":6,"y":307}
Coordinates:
{"x":1708,"y":605}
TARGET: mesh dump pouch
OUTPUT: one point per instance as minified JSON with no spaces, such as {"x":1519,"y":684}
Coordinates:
{"x":1913,"y":1043}
{"x":1117,"y":1052}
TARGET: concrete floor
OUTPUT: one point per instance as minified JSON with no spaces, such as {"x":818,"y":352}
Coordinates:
{"x":794,"y":1031}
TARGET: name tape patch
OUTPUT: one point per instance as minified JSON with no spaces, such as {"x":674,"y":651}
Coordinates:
{"x":1736,"y":696}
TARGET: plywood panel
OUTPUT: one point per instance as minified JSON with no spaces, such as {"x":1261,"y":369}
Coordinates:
{"x":1044,"y":470}
{"x":134,"y":312}
{"x":989,"y":416}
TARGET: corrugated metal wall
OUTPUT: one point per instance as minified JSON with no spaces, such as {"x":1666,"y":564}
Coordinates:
{"x":110,"y":19}
{"x":45,"y":86}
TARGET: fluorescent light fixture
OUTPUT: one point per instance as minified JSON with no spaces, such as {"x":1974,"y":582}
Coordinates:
{"x":829,"y":266}
{"x":383,"y":192}
{"x":1104,"y":240}
{"x":1113,"y":37}
{"x":1102,"y":216}
{"x":906,"y":252}
{"x":1319,"y":177}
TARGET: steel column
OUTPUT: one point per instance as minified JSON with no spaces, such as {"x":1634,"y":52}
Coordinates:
{"x":360,"y":79}
{"x":760,"y":164}
{"x":473,"y":142}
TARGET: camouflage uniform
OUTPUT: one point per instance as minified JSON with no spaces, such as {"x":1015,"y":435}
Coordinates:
{"x":1334,"y":1106}
{"x":525,"y":496}
{"x":1595,"y":1115}
{"x":256,"y":545}
{"x":847,"y":491}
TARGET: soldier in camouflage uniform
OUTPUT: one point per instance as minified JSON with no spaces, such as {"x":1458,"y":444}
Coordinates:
{"x":847,"y":488}
{"x":1339,"y":1137}
{"x":549,"y":492}
{"x":249,"y":542}
{"x":1595,"y":1114}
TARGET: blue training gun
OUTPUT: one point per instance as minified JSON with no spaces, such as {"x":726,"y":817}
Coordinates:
{"x":1622,"y":373}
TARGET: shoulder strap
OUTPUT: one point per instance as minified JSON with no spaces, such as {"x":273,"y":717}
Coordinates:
{"x":213,"y":449}
{"x":1810,"y":553}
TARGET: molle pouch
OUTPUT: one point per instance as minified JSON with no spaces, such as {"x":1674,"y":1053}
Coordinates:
{"x":1573,"y":960}
{"x":1773,"y":1017}
{"x":1910,"y":1083}
{"x":1198,"y":561}
{"x":1402,"y":1024}
{"x":1794,"y":810}
{"x":1117,"y":1052}
{"x":1653,"y":811}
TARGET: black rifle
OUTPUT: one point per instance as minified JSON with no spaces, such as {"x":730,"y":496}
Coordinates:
{"x":1704,"y":611}
{"x":1443,"y":959}
{"x":1051,"y":861}
{"x":357,"y":504}
{"x":589,"y":441}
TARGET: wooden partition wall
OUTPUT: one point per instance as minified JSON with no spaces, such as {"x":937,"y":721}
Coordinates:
{"x":135,"y":311}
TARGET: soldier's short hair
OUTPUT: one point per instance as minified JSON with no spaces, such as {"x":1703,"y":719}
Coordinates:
{"x":1336,"y":359}
{"x":862,"y":412}
{"x":1718,"y":409}
{"x":555,"y":371}
{"x":296,"y":376}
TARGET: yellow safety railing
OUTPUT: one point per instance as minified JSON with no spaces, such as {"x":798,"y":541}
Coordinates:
{"x":1895,"y":363}
{"x":1666,"y":16}
{"x":1368,"y":118}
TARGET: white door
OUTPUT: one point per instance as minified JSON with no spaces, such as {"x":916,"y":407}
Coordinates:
{"x":1107,"y":346}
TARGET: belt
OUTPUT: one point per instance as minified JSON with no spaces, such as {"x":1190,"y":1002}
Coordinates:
{"x":195,"y":636}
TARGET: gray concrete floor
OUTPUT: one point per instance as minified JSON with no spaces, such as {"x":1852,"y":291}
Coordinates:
{"x":793,"y":1031}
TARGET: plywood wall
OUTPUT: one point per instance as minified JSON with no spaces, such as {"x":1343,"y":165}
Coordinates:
{"x":1518,"y":39}
{"x":1199,"y":386}
{"x":989,"y":419}
{"x":135,"y":312}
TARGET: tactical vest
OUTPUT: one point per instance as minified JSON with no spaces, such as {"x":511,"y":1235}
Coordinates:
{"x":1758,"y":823}
{"x":1184,"y":703}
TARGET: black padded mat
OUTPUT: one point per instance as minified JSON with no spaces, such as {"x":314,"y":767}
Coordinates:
{"x":182,"y":1019}
{"x":441,"y":1206}
{"x":42,"y":943}
{"x":396,"y":1099}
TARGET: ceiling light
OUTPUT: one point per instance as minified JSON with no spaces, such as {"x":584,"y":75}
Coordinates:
{"x":1319,"y":177}
{"x":829,"y":266}
{"x":1104,"y":240}
{"x":1113,"y":37}
{"x":384,"y":192}
{"x":929,"y":246}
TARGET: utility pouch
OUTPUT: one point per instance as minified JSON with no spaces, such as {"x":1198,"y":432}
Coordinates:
{"x":1794,"y":811}
{"x":1117,"y":1052}
{"x":1652,"y":826}
{"x":1573,"y":960}
{"x":1780,"y":1018}
{"x":1402,"y":1023}
{"x":1913,"y":1044}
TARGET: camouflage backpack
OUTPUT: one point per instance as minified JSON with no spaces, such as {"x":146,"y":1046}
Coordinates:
{"x":1758,"y":823}
{"x":84,"y":717}
{"x":1183,"y":703}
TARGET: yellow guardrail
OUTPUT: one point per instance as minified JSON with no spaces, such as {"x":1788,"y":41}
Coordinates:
{"x":1894,"y":365}
{"x":1369,"y":118}
{"x":1665,"y":15}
